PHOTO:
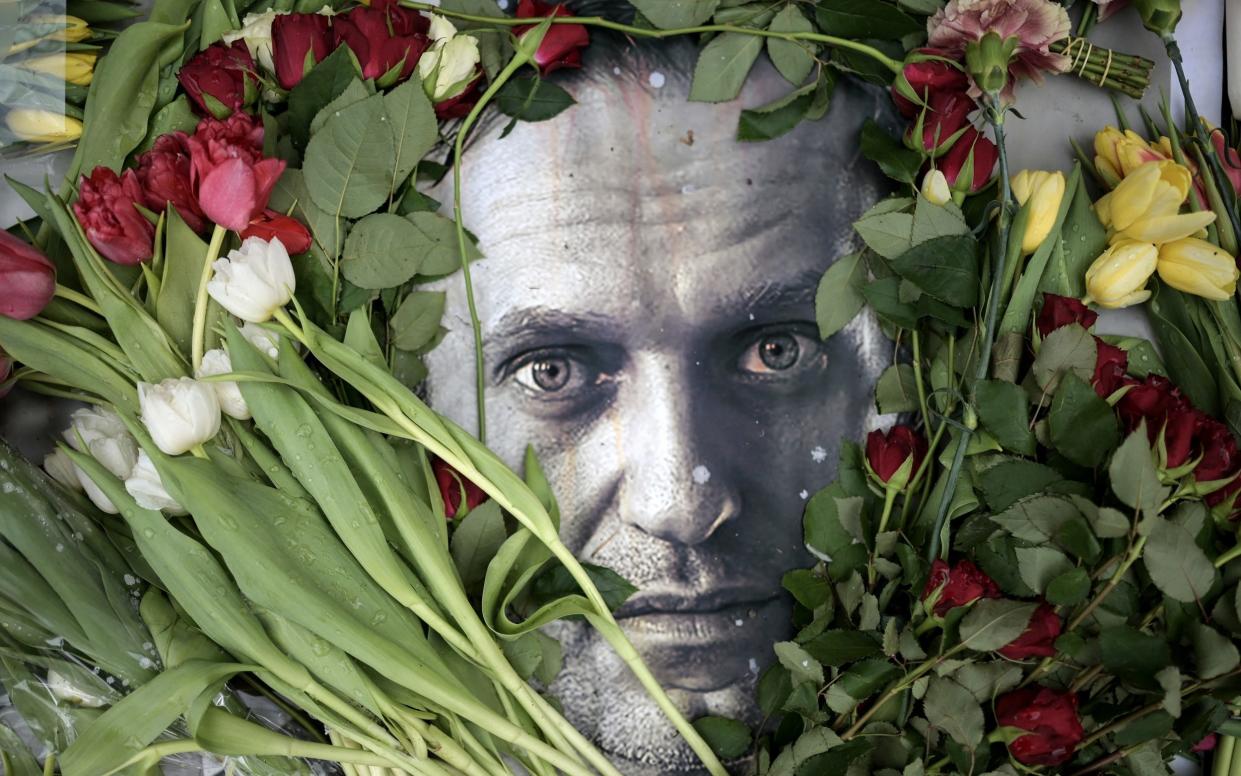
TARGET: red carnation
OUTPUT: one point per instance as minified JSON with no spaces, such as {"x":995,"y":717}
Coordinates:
{"x":299,"y":42}
{"x":1039,"y":637}
{"x":1051,"y":718}
{"x":924,"y":75}
{"x":451,"y":485}
{"x":27,"y":278}
{"x":973,"y":153}
{"x":272,"y":225}
{"x":164,"y":172}
{"x":386,"y":38}
{"x":962,"y":584}
{"x":1060,"y":311}
{"x":106,"y":210}
{"x":220,"y":79}
{"x":886,"y":453}
{"x":562,"y":45}
{"x":230,"y":176}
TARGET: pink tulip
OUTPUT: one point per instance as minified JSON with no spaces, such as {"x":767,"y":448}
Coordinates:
{"x":107,"y":210}
{"x":229,"y":173}
{"x":27,"y":278}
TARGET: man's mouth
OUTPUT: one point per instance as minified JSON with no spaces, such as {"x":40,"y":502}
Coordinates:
{"x":648,"y":602}
{"x":690,"y":622}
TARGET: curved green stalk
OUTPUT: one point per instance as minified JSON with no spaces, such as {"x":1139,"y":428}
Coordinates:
{"x":201,"y":301}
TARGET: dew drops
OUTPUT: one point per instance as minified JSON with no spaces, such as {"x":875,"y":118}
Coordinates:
{"x":701,"y":474}
{"x":657,"y":79}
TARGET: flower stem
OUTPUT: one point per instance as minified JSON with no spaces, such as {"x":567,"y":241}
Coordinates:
{"x":646,"y":32}
{"x":200,"y":300}
{"x":78,"y":298}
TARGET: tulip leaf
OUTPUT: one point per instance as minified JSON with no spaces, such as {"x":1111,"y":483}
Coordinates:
{"x":382,"y":251}
{"x":184,"y":254}
{"x":1081,"y":241}
{"x":670,"y":14}
{"x":864,"y":19}
{"x":348,"y":165}
{"x":945,"y":268}
{"x":723,"y":65}
{"x":794,"y":59}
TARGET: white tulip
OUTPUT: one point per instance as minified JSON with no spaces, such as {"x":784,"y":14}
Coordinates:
{"x":264,"y":341}
{"x":180,"y":413}
{"x":145,"y":485}
{"x":447,"y":68}
{"x":62,"y":469}
{"x":228,"y":394}
{"x":99,"y":432}
{"x":253,"y":281}
{"x":256,"y":33}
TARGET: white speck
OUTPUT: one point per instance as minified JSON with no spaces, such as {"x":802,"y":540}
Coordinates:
{"x":701,"y":474}
{"x":753,"y":666}
{"x":9,"y":487}
{"x":503,"y":4}
{"x":689,"y":188}
{"x":130,"y":580}
{"x":739,"y":622}
{"x":60,"y":548}
{"x":751,"y":316}
{"x":657,"y":79}
{"x":805,"y":494}
{"x":818,"y":454}
{"x":616,"y":71}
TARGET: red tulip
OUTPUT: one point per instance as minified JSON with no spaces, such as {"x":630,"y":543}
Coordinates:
{"x":959,"y":585}
{"x":562,"y":45}
{"x":1060,"y":311}
{"x":164,"y":172}
{"x":299,"y":42}
{"x":451,"y":485}
{"x":220,"y":79}
{"x":27,"y":278}
{"x":272,"y":225}
{"x":1051,"y":718}
{"x":231,"y":178}
{"x":887,"y":452}
{"x":386,"y":38}
{"x":1038,"y":639}
{"x":106,"y":209}
{"x":969,"y":163}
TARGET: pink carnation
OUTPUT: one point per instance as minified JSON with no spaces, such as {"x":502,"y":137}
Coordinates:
{"x":1036,"y":24}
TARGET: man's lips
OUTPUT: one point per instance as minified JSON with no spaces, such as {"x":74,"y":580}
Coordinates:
{"x":650,"y":602}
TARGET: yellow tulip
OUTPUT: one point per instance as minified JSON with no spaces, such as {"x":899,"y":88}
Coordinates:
{"x":1040,"y":192}
{"x":935,"y":188}
{"x":1146,"y":205}
{"x":71,"y":30}
{"x":1198,"y":267}
{"x":42,"y":126}
{"x":1118,"y":277}
{"x":76,"y":68}
{"x":1118,"y":154}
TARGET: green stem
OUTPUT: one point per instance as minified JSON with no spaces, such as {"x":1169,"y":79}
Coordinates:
{"x":1135,"y":552}
{"x":1228,"y":556}
{"x":1224,"y":757}
{"x":200,"y":299}
{"x":995,"y":113}
{"x":646,"y":32}
{"x":78,"y":298}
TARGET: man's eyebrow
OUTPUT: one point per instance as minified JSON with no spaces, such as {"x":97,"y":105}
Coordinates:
{"x":529,"y":323}
{"x":797,"y":290}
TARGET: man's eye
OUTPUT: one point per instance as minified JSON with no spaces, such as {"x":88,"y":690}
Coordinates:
{"x":548,"y":373}
{"x":777,"y":352}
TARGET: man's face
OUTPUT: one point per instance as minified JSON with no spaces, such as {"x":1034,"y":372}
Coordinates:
{"x":647,"y":305}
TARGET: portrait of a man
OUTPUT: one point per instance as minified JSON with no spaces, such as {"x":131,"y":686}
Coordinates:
{"x":647,"y":307}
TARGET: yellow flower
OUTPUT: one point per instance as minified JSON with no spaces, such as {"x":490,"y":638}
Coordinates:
{"x":1041,"y":192}
{"x":1118,"y":277}
{"x":71,"y":30}
{"x":76,"y":68}
{"x":1118,"y":154}
{"x":1146,"y":205}
{"x":935,"y":188}
{"x":42,"y":126}
{"x":1198,"y":267}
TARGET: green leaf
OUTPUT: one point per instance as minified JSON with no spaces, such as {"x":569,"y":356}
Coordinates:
{"x":1134,"y":656}
{"x":1081,"y":241}
{"x":184,"y":254}
{"x":794,"y":59}
{"x":884,"y":297}
{"x":414,"y":128}
{"x":1135,"y":480}
{"x":557,"y":582}
{"x":944,"y":267}
{"x":864,"y":19}
{"x":291,"y":196}
{"x":1214,"y":653}
{"x":897,"y":390}
{"x":836,"y":760}
{"x":1170,"y":681}
{"x":1069,"y":588}
{"x":838,"y":298}
{"x":20,"y":757}
{"x":728,"y":738}
{"x":931,"y":221}
{"x":840,"y":647}
{"x":887,"y":234}
{"x":324,"y":83}
{"x":532,"y":99}
{"x":1036,"y":519}
{"x":775,"y":118}
{"x":896,"y":161}
{"x":176,"y":116}
{"x":356,"y":91}
{"x":1175,"y":562}
{"x":349,"y":163}
{"x":382,"y":251}
{"x":1083,"y":426}
{"x":953,"y":709}
{"x":1150,"y":727}
{"x":475,"y":542}
{"x":1004,"y":411}
{"x":440,"y":254}
{"x":774,"y":688}
{"x":810,"y":589}
{"x":417,"y":320}
{"x":992,"y":623}
{"x":723,"y":65}
{"x":1040,"y":565}
{"x":670,"y":14}
{"x":801,"y":665}
{"x":1068,"y":349}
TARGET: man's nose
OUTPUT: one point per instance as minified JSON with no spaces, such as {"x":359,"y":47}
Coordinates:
{"x":669,"y":487}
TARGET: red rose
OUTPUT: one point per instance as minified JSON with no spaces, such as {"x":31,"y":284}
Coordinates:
{"x":1180,"y":429}
{"x":1146,"y":400}
{"x":230,"y":176}
{"x":973,"y":154}
{"x":106,"y":210}
{"x":1060,"y":311}
{"x":562,"y":45}
{"x":27,"y":278}
{"x":943,"y":122}
{"x":220,"y":79}
{"x":1110,"y":367}
{"x":925,"y":77}
{"x":164,"y":173}
{"x":1051,"y":718}
{"x":386,"y":38}
{"x":887,"y":452}
{"x":272,"y":225}
{"x":1038,"y":638}
{"x":460,"y":105}
{"x":963,"y":584}
{"x":1220,"y":456}
{"x":299,"y":42}
{"x":451,"y":485}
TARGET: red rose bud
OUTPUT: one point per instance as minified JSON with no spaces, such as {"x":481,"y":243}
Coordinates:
{"x":963,"y":584}
{"x":386,"y":38}
{"x":888,"y":453}
{"x":941,"y":124}
{"x":923,"y":75}
{"x":1051,"y":719}
{"x":460,"y":106}
{"x":299,"y":42}
{"x":1180,"y":427}
{"x":272,"y":225}
{"x":1039,"y":637}
{"x":27,"y":278}
{"x":1060,"y":311}
{"x":562,"y":45}
{"x":451,"y":485}
{"x":231,"y":178}
{"x":220,"y":79}
{"x":164,"y":174}
{"x":106,"y":210}
{"x":1110,"y":367}
{"x":969,"y":163}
